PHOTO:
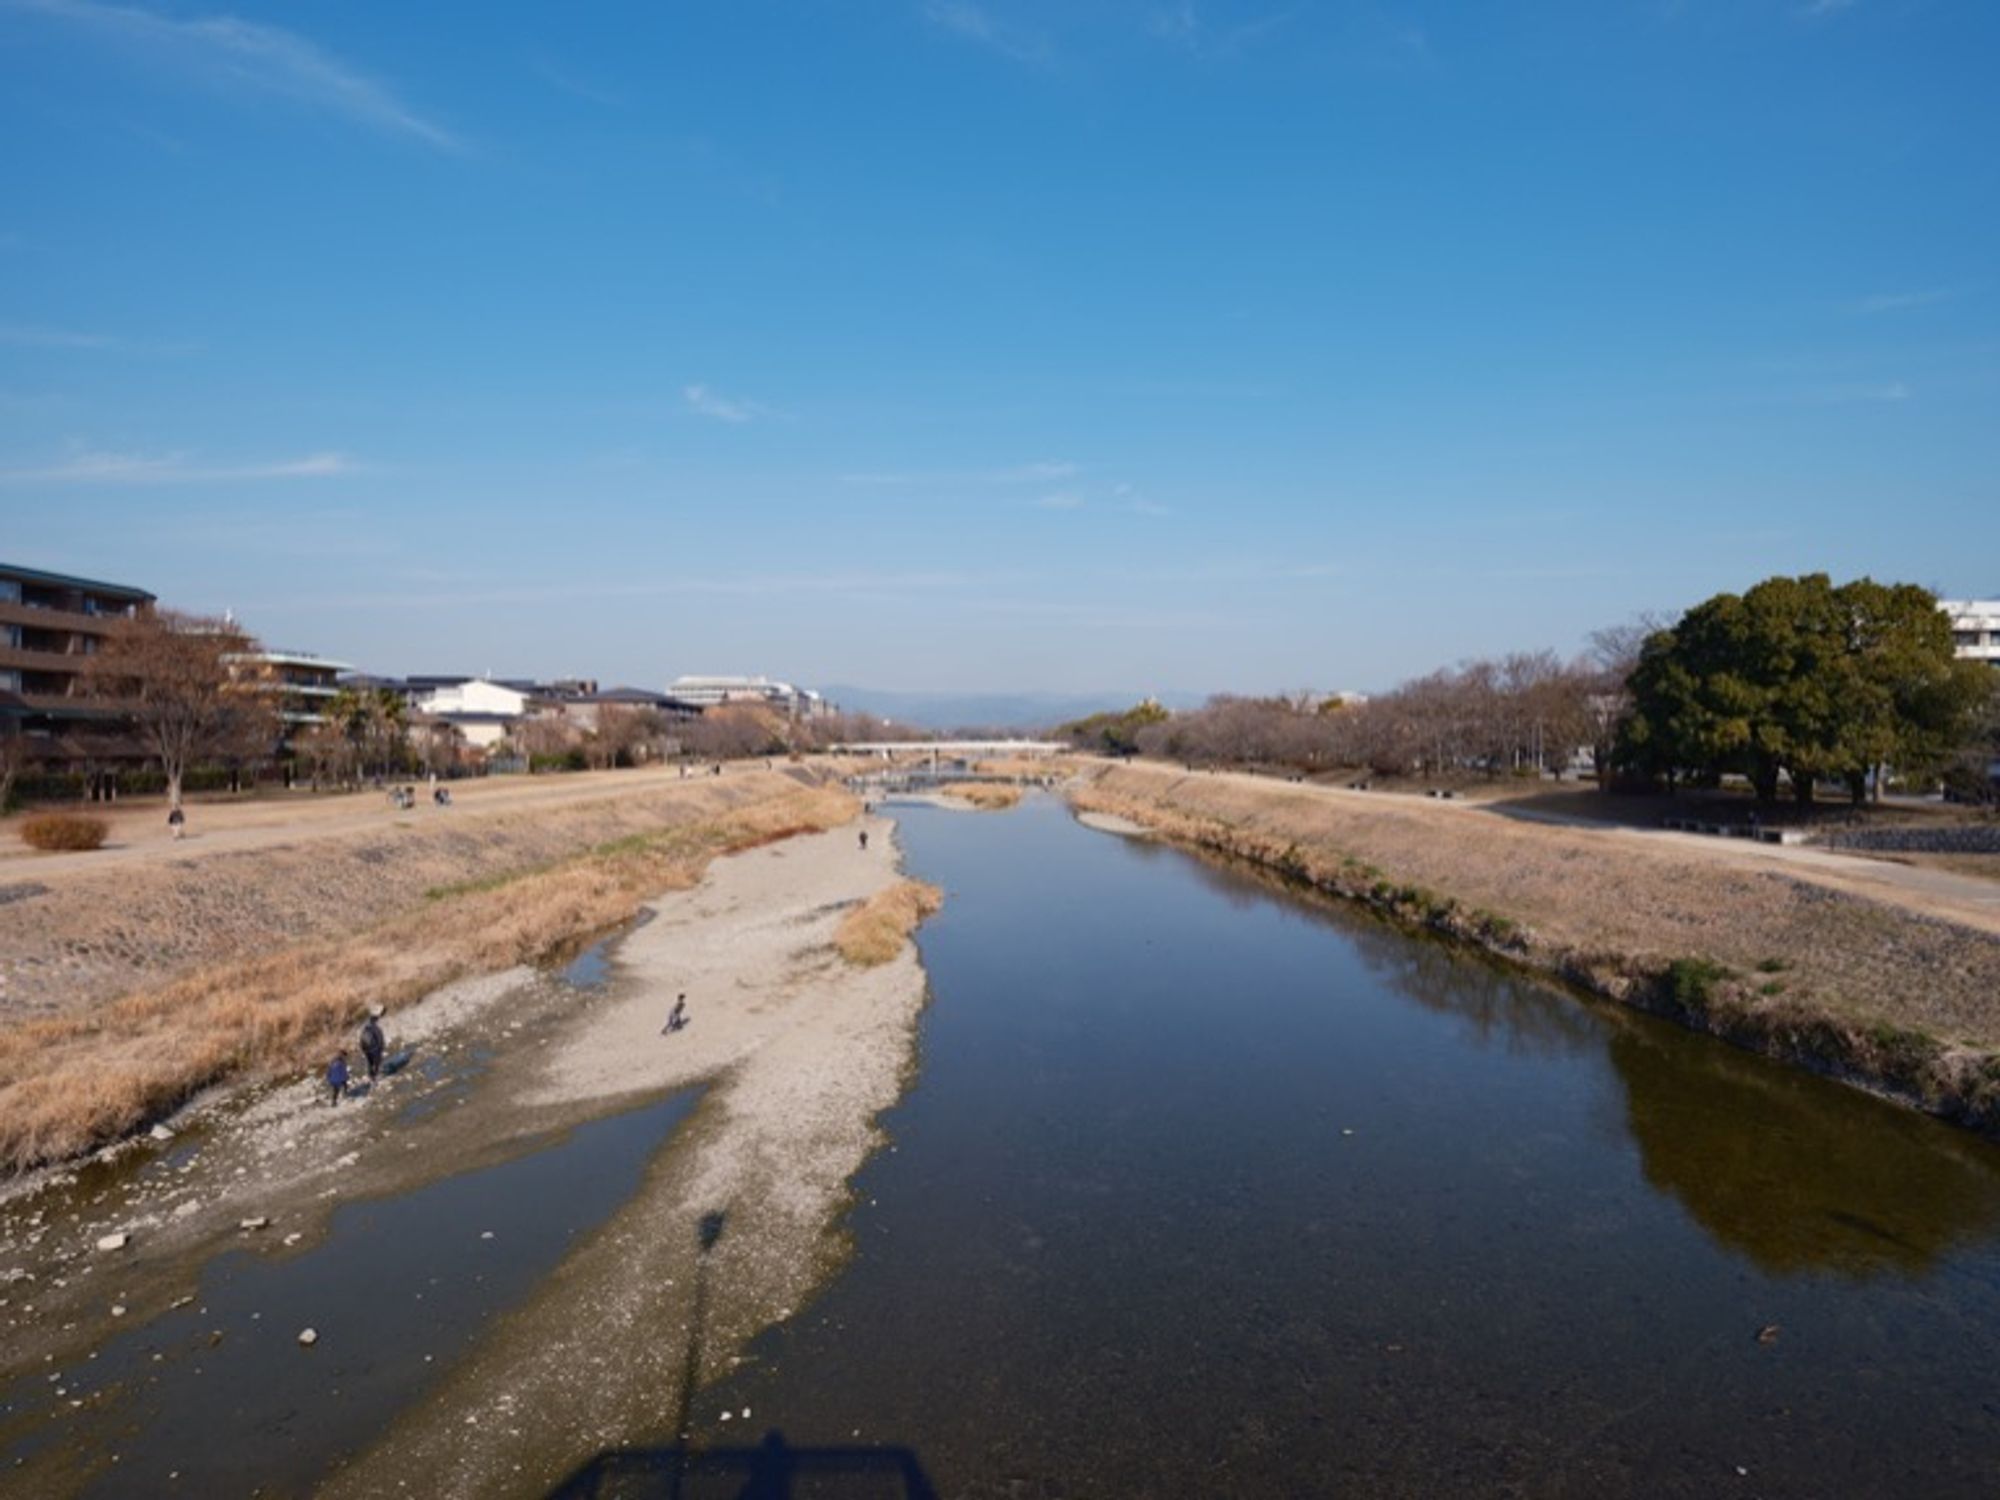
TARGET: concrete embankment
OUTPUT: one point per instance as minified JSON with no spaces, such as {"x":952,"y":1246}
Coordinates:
{"x":1889,"y":998}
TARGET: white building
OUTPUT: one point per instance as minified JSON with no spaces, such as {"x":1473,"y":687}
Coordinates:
{"x":483,"y":711}
{"x":1975,"y":628}
{"x":714,"y":692}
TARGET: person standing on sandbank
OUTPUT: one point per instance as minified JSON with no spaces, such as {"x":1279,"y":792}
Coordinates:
{"x":336,"y":1075}
{"x":372,"y":1042}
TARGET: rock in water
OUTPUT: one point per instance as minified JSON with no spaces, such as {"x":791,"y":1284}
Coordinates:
{"x":114,"y":1242}
{"x":308,"y":1336}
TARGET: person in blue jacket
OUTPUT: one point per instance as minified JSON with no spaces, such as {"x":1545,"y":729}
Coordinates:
{"x":336,"y":1075}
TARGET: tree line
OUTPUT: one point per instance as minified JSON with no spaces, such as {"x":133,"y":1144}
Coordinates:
{"x":1795,"y":683}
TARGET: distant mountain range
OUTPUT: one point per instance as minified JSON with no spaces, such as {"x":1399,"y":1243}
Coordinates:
{"x":1027,"y":711}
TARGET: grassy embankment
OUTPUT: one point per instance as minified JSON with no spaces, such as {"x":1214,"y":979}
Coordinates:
{"x":72,"y":1082}
{"x":875,"y":931}
{"x":1876,"y":995}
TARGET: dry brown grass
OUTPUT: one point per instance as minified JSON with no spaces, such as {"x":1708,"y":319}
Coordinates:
{"x":64,"y":831}
{"x":1032,"y":767}
{"x":987,"y":796}
{"x":1841,"y":983}
{"x":71,"y":1082}
{"x":875,"y":931}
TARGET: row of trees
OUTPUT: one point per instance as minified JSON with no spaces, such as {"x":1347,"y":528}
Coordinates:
{"x":1796,"y":682}
{"x":1526,"y":712}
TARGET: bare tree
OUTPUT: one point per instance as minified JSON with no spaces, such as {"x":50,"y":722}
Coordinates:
{"x":329,"y":754}
{"x":437,"y":744}
{"x":181,"y":678}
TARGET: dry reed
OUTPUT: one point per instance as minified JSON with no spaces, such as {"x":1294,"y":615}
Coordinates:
{"x":64,"y":831}
{"x":988,"y":796}
{"x":70,"y":1083}
{"x":875,"y":931}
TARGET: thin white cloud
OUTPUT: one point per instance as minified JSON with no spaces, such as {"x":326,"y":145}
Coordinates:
{"x":1178,"y":24}
{"x":1888,"y":302}
{"x":25,"y":336}
{"x":1181,"y":25}
{"x":1059,"y":500}
{"x":1047,"y":471}
{"x":975,"y":23}
{"x":223,"y":49}
{"x":173,"y":468}
{"x":1858,"y":392}
{"x":718,"y":407}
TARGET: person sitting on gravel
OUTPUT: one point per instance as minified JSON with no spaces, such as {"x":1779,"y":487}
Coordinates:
{"x":372,"y":1042}
{"x":336,"y":1075}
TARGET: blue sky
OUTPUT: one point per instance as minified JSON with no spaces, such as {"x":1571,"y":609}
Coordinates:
{"x":1000,"y":344}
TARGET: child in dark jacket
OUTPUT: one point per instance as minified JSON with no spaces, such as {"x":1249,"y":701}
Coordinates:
{"x":336,"y":1076}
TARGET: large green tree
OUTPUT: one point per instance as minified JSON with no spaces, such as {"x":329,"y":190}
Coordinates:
{"x":1798,"y":679}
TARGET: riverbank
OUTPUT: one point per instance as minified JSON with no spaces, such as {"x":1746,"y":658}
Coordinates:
{"x":1891,"y":999}
{"x":129,"y":990}
{"x":795,"y":1050}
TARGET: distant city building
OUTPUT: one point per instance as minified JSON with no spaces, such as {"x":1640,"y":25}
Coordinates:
{"x":716,"y":692}
{"x":51,"y":624}
{"x":1975,"y":628}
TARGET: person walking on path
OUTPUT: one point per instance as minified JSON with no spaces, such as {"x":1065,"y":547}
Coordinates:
{"x":864,"y":841}
{"x":372,"y":1044}
{"x":176,"y":821}
{"x":677,"y":1017}
{"x":336,"y":1075}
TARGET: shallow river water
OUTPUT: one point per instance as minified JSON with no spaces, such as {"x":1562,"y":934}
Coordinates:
{"x":1204,"y":1188}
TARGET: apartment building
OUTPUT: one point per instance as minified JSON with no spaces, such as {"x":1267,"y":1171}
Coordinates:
{"x":716,"y":692}
{"x":50,"y":626}
{"x":301,"y":682}
{"x":1975,"y":628}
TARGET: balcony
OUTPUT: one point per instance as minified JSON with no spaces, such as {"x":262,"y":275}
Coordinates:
{"x":26,"y":659}
{"x":43,"y":617}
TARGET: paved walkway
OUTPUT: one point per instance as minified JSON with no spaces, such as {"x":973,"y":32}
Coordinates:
{"x":139,"y":829}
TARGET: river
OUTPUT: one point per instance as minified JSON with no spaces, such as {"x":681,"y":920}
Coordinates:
{"x":1205,"y":1187}
{"x":1201,"y":1185}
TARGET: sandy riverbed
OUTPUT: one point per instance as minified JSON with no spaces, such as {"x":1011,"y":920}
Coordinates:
{"x":798,"y":1050}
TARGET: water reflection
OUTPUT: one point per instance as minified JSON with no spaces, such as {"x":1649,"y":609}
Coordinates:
{"x":1797,"y":1173}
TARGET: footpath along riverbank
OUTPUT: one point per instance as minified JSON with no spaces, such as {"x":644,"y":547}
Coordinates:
{"x":796,"y":1038}
{"x":1893,"y":999}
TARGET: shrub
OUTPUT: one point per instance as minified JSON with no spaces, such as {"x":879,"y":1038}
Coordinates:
{"x":1692,"y":982}
{"x":64,"y":831}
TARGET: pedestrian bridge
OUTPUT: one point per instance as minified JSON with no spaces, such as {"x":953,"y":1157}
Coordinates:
{"x":955,"y":749}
